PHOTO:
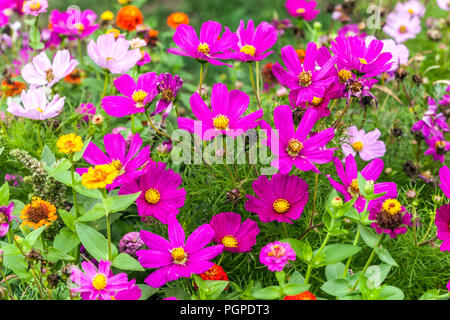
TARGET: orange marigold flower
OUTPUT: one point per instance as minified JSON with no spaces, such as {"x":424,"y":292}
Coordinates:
{"x":153,"y":33}
{"x":75,"y":77}
{"x":38,"y":213}
{"x":177,"y":18}
{"x":301,"y":296}
{"x":99,"y":176}
{"x":69,"y":143}
{"x":129,"y":17}
{"x":301,"y":54}
{"x":11,"y":89}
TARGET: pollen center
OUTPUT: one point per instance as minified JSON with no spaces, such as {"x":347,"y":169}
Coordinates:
{"x":440,"y":147}
{"x":79,"y":27}
{"x":354,"y":188}
{"x":363,"y":61}
{"x":229,"y":241}
{"x":49,"y":75}
{"x":37,"y":211}
{"x":294,"y":147}
{"x":99,"y":282}
{"x":392,"y":206}
{"x":221,"y":122}
{"x":301,"y":10}
{"x":277,"y":251}
{"x":411,"y":11}
{"x":358,"y":146}
{"x":304,"y":79}
{"x":167,"y":95}
{"x":203,"y":48}
{"x":281,"y":205}
{"x":139,"y":97}
{"x":35,"y":6}
{"x":316,"y":101}
{"x":402,"y":29}
{"x":344,"y":75}
{"x":179,"y":255}
{"x":152,"y":196}
{"x":248,"y":49}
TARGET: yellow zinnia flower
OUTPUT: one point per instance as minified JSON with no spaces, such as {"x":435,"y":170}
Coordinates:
{"x":69,"y":143}
{"x":99,"y":176}
{"x":38,"y":213}
{"x":107,"y":16}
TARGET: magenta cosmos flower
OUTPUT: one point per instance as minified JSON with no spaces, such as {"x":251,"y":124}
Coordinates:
{"x":349,"y":178}
{"x":432,"y":123}
{"x":95,"y":284}
{"x":391,"y":218}
{"x":292,"y":146}
{"x":276,"y":255}
{"x":357,"y":57}
{"x":136,"y":95}
{"x":5,"y":218}
{"x":402,"y":26}
{"x":281,"y":199}
{"x":229,"y":231}
{"x":176,"y":257}
{"x":113,"y":54}
{"x":41,"y":71}
{"x":210,"y":47}
{"x":133,"y":292}
{"x":86,"y":109}
{"x":365,"y":144}
{"x":444,"y":175}
{"x":168,"y":85}
{"x":126,"y":160}
{"x":160,"y":197}
{"x":35,"y":7}
{"x":442,"y":223}
{"x":36,"y":106}
{"x":437,"y":147}
{"x":305,"y":81}
{"x":225,"y":115}
{"x":302,"y":9}
{"x":73,"y":23}
{"x":253,"y":44}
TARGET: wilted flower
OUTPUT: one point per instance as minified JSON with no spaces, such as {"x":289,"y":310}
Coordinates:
{"x":130,"y":243}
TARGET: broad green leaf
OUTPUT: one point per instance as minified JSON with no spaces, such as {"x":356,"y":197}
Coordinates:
{"x":337,"y":287}
{"x":14,"y":260}
{"x":94,"y":214}
{"x":55,"y":255}
{"x":369,"y":236}
{"x":146,"y":291}
{"x":385,"y":256}
{"x":63,"y":166}
{"x":77,"y":155}
{"x":68,"y":218}
{"x":119,"y":203}
{"x":334,"y":271}
{"x":31,"y":238}
{"x":4,"y":194}
{"x":269,"y":293}
{"x":292,"y":289}
{"x":390,"y":293}
{"x":47,"y":156}
{"x":297,"y":278}
{"x":66,"y":240}
{"x":334,"y":253}
{"x":94,"y":242}
{"x":301,"y":248}
{"x":125,"y":262}
{"x":90,"y":193}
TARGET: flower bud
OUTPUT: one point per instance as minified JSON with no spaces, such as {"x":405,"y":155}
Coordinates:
{"x":317,"y":25}
{"x":337,"y":202}
{"x":164,"y":148}
{"x":369,"y":187}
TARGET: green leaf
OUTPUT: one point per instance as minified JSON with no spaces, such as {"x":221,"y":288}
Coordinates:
{"x":269,"y":293}
{"x":297,"y":278}
{"x":390,"y":293}
{"x":4,"y":194}
{"x":31,"y":238}
{"x":94,"y":242}
{"x":94,"y":214}
{"x":55,"y":255}
{"x":334,"y":271}
{"x":77,"y":155}
{"x":63,"y":165}
{"x":334,"y":253}
{"x":68,"y":218}
{"x":66,"y":240}
{"x":434,"y":294}
{"x":301,"y":248}
{"x":281,"y":277}
{"x":369,"y":236}
{"x":146,"y":291}
{"x":293,"y":289}
{"x":337,"y":287}
{"x":14,"y":260}
{"x":90,"y":193}
{"x":126,"y":262}
{"x":120,"y":203}
{"x":214,"y":288}
{"x":385,"y":256}
{"x":47,"y":156}
{"x":377,"y":273}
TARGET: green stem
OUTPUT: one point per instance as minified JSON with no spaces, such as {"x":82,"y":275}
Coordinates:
{"x":250,"y":64}
{"x":201,"y":80}
{"x":108,"y":230}
{"x":74,"y":193}
{"x":38,"y":130}
{"x":105,"y":86}
{"x":80,"y":52}
{"x":257,"y":74}
{"x":10,"y":292}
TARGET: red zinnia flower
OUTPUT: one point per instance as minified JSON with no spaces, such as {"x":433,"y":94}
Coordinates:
{"x":301,"y":296}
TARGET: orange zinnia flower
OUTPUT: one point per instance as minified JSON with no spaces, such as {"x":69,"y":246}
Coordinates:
{"x":129,"y":17}
{"x":177,"y":18}
{"x":12,"y":89}
{"x":75,"y":77}
{"x":38,"y":213}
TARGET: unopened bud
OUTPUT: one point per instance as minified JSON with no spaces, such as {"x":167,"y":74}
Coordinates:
{"x":317,"y":25}
{"x":411,"y":194}
{"x":337,"y":202}
{"x":369,"y":187}
{"x":97,"y":119}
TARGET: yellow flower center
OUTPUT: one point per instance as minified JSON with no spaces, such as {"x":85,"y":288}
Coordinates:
{"x":439,"y":144}
{"x":99,"y":282}
{"x":316,"y":101}
{"x":39,"y":110}
{"x":301,"y":10}
{"x":79,"y":27}
{"x":35,"y":6}
{"x":344,"y":75}
{"x":354,"y":188}
{"x":49,"y":76}
{"x":115,"y":32}
{"x":139,"y":97}
{"x":363,"y":61}
{"x":203,"y":48}
{"x":179,"y":255}
{"x":229,"y":241}
{"x":294,"y":147}
{"x":392,"y":206}
{"x":411,"y":11}
{"x":248,"y":49}
{"x":152,"y":196}
{"x":277,"y":251}
{"x":221,"y":122}
{"x":178,"y":17}
{"x":304,"y":79}
{"x":281,"y":205}
{"x":402,"y":29}
{"x":358,"y":146}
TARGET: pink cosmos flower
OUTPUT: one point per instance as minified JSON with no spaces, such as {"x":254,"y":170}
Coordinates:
{"x":177,"y":257}
{"x":210,"y":47}
{"x":35,"y":7}
{"x":444,"y":5}
{"x":160,"y":195}
{"x":253,"y":44}
{"x":444,"y":175}
{"x":276,"y":255}
{"x":229,"y":231}
{"x":225,"y":115}
{"x":302,"y":9}
{"x":113,"y":54}
{"x":95,"y":284}
{"x":351,"y":30}
{"x":73,"y":23}
{"x":88,"y":109}
{"x":168,"y":86}
{"x":41,"y":71}
{"x":366,"y":144}
{"x":145,"y":59}
{"x":4,"y":19}
{"x":437,"y":147}
{"x":281,"y":199}
{"x":411,"y":7}
{"x":294,"y":147}
{"x":401,"y":26}
{"x":442,"y":222}
{"x":133,"y":292}
{"x":349,"y":178}
{"x":431,"y":124}
{"x":137,"y":95}
{"x":399,"y":52}
{"x":391,"y":218}
{"x":36,"y":106}
{"x":5,"y":218}
{"x":128,"y":160}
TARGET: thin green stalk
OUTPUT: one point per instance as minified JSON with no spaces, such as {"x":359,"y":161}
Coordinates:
{"x":10,"y":292}
{"x":250,"y":64}
{"x":108,"y":230}
{"x":105,"y":86}
{"x":38,"y":130}
{"x":74,"y":193}
{"x":80,"y":52}
{"x":201,"y":80}
{"x":428,"y":230}
{"x":257,"y":74}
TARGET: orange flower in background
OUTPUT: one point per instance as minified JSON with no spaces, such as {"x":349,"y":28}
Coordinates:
{"x":75,"y":77}
{"x":12,"y":88}
{"x":129,"y":17}
{"x":38,"y":213}
{"x":301,"y":296}
{"x":177,"y":18}
{"x":153,"y":33}
{"x":301,"y":54}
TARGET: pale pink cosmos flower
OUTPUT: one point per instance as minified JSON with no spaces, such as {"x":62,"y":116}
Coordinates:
{"x":412,"y":7}
{"x":36,"y":106}
{"x":402,"y":26}
{"x":444,"y":5}
{"x":35,"y":7}
{"x":113,"y":54}
{"x":366,"y":144}
{"x":41,"y":71}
